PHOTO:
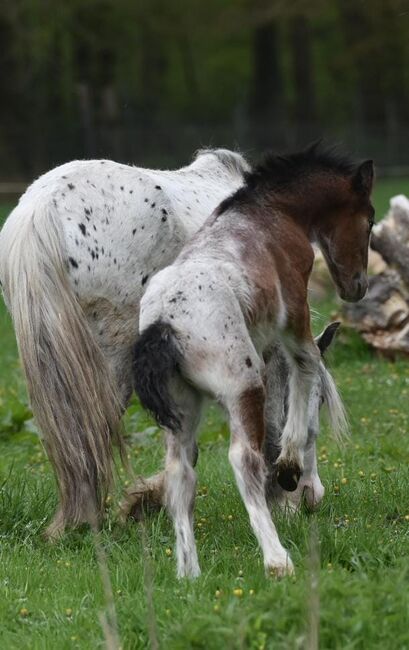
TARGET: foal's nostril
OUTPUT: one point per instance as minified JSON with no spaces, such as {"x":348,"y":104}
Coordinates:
{"x":361,"y":282}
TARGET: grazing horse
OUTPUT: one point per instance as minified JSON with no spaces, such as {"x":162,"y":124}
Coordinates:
{"x":75,"y":258}
{"x":208,"y":321}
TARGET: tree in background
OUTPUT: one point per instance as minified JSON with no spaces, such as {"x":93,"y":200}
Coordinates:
{"x":142,"y":80}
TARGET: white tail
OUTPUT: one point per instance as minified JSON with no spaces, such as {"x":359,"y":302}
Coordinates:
{"x":336,"y":411}
{"x":72,"y":393}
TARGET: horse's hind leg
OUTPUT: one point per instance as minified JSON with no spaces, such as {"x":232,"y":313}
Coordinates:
{"x":247,"y":432}
{"x":180,"y":478}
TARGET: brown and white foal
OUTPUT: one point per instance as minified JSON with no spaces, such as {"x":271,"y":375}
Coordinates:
{"x":207,"y":323}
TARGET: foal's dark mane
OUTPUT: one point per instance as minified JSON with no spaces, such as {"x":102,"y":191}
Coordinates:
{"x":278,"y":173}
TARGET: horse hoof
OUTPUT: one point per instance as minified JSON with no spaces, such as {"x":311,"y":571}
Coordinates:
{"x":288,"y":475}
{"x":143,"y":498}
{"x":280,"y":569}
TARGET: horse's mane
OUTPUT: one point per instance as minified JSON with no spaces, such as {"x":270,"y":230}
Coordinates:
{"x":232,"y":160}
{"x":285,"y":169}
{"x":278,"y":172}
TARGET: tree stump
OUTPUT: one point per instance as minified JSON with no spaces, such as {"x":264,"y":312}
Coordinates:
{"x":382,"y":316}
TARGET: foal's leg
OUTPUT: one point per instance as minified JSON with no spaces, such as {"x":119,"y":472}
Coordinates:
{"x":180,"y":479}
{"x":247,"y":432}
{"x":309,"y":486}
{"x":304,"y":360}
{"x":275,"y":414}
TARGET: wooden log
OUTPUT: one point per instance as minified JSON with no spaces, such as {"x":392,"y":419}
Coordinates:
{"x":395,"y":254}
{"x":382,"y":316}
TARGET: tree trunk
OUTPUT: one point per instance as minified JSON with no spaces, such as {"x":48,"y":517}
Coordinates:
{"x":383,"y":315}
{"x":302,"y":70}
{"x":363,"y":51}
{"x":266,"y":99}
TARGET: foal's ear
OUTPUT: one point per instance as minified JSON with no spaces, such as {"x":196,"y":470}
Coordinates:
{"x":326,"y":337}
{"x":363,"y":179}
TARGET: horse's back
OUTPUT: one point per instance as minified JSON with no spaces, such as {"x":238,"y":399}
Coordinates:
{"x":119,"y":226}
{"x":120,"y":223}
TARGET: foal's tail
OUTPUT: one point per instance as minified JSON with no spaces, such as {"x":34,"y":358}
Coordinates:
{"x":157,"y":359}
{"x":336,"y":411}
{"x":72,"y":393}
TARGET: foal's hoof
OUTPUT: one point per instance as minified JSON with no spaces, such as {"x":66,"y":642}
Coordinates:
{"x":280,"y":569}
{"x":288,"y":475}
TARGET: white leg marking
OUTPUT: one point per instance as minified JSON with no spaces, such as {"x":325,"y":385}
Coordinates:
{"x":180,"y":498}
{"x":250,"y":472}
{"x":295,"y":434}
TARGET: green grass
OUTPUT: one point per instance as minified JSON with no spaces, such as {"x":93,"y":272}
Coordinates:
{"x":384,"y":189}
{"x":363,"y":530}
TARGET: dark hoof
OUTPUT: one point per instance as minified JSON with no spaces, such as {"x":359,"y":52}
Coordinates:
{"x":288,"y":476}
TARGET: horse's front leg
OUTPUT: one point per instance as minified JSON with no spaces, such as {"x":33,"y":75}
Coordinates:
{"x":309,"y":486}
{"x":303,"y":367}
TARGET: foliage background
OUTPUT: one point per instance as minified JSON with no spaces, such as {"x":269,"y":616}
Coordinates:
{"x":149,"y":81}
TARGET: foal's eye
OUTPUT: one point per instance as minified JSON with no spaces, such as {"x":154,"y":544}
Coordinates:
{"x":371,"y":219}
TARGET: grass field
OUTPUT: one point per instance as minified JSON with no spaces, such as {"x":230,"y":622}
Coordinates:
{"x":51,"y":596}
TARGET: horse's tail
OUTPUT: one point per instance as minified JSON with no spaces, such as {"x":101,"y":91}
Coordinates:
{"x":157,"y":360}
{"x":71,"y":389}
{"x":336,"y":411}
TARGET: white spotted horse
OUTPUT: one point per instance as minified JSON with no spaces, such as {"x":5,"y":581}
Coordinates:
{"x":208,"y":321}
{"x":75,"y":258}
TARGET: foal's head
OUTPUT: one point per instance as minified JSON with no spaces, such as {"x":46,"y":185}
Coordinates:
{"x":343,"y":231}
{"x":329,"y":195}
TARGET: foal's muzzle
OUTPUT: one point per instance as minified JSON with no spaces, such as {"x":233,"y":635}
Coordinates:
{"x":357,"y":288}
